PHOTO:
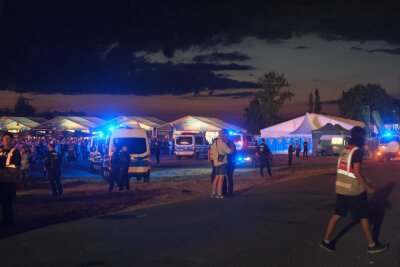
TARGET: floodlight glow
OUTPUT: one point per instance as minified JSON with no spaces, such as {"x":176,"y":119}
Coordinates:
{"x":101,"y":134}
{"x":111,"y":128}
{"x":230,"y":132}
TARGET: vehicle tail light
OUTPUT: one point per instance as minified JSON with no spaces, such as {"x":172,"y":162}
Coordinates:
{"x":379,"y":153}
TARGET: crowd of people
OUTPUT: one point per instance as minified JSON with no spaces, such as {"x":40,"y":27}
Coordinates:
{"x":34,"y":149}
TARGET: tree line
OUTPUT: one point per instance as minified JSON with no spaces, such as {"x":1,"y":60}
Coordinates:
{"x":23,"y":108}
{"x":264,"y":107}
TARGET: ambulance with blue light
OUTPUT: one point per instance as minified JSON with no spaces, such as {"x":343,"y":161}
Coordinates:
{"x":137,"y":141}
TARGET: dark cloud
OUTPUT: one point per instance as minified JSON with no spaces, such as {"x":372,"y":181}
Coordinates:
{"x":356,"y":48}
{"x":395,"y":51}
{"x":302,"y":47}
{"x":114,"y":74}
{"x":58,"y":44}
{"x":218,"y":57}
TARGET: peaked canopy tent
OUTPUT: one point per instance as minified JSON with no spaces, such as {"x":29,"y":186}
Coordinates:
{"x":147,"y":123}
{"x":300,"y":129}
{"x":19,"y":124}
{"x":70,"y":124}
{"x":195,"y":124}
{"x":305,"y":124}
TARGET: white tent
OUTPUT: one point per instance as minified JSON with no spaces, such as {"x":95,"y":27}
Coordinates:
{"x":305,"y":128}
{"x":302,"y":126}
{"x":70,"y":123}
{"x":18,"y":124}
{"x":210,"y":126}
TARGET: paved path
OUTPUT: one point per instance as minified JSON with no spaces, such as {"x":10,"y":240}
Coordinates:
{"x":275,"y":225}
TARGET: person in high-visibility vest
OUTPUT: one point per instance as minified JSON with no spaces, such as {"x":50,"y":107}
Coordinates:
{"x":10,"y":163}
{"x":351,"y":190}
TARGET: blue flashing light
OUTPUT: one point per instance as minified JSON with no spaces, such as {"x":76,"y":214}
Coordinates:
{"x":101,"y":134}
{"x":111,"y":128}
{"x":388,"y":134}
{"x":230,"y":132}
{"x":240,"y":158}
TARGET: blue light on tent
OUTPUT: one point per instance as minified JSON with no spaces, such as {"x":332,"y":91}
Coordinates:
{"x":111,"y":128}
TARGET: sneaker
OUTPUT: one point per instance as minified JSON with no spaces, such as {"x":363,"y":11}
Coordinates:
{"x":213,"y":195}
{"x":377,"y":248}
{"x":219,"y":196}
{"x":330,"y":247}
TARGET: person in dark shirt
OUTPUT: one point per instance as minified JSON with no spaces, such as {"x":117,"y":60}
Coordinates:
{"x":114,"y":169}
{"x":227,"y":188}
{"x":10,"y":163}
{"x":264,"y":154}
{"x":290,"y":154}
{"x":53,"y":168}
{"x":351,"y":193}
{"x":124,"y":163}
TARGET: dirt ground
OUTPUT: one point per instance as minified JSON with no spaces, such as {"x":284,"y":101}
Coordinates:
{"x":35,"y":207}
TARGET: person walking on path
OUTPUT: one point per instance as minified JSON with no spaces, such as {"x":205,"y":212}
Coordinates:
{"x":52,"y":165}
{"x":10,"y":163}
{"x":219,"y":150}
{"x":290,"y":154}
{"x":351,"y":190}
{"x":124,"y":163}
{"x":264,"y":154}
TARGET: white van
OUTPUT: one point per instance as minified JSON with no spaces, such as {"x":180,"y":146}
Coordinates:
{"x":191,"y":145}
{"x":243,"y":141}
{"x":138,"y":147}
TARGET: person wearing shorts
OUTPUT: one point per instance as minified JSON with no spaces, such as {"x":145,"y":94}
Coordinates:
{"x":351,"y":190}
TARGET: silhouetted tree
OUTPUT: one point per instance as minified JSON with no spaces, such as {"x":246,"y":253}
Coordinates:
{"x":23,"y":108}
{"x":372,"y":95}
{"x":310,"y":102}
{"x":264,"y":108}
{"x":317,"y":102}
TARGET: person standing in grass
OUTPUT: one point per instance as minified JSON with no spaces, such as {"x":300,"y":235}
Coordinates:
{"x":351,"y":190}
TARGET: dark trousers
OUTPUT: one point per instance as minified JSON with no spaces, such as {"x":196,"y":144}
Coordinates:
{"x":114,"y":178}
{"x":55,"y":183}
{"x":124,"y":180}
{"x":229,"y":178}
{"x":158,"y":157}
{"x":290,"y":160}
{"x":297,"y":153}
{"x":264,"y":162}
{"x":305,"y":153}
{"x":8,"y":192}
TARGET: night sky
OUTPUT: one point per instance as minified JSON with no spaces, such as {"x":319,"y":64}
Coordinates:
{"x":179,"y":47}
